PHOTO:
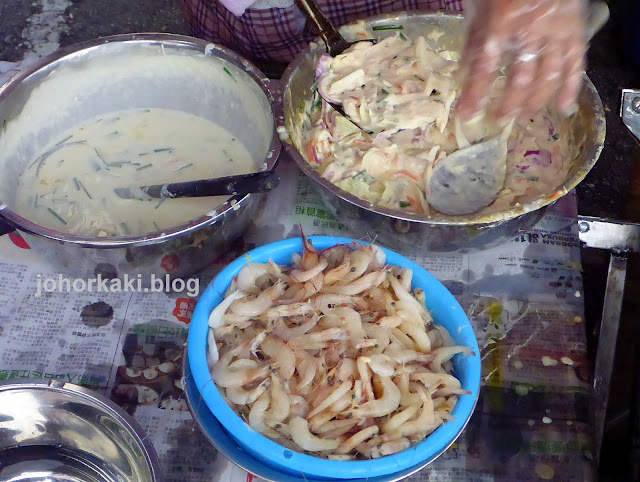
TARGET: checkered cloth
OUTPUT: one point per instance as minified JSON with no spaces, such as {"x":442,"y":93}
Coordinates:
{"x":272,"y":37}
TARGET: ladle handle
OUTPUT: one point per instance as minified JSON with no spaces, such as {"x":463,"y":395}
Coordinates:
{"x":5,"y":228}
{"x":336,"y":44}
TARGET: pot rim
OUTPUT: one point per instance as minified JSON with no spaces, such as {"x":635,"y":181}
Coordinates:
{"x":267,"y":86}
{"x":597,"y":143}
{"x":97,"y":399}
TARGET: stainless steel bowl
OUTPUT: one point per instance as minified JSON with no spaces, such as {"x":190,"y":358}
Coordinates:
{"x":404,"y":231}
{"x":58,"y":431}
{"x":68,"y":84}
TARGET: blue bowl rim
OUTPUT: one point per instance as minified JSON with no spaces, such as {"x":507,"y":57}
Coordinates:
{"x":429,"y":448}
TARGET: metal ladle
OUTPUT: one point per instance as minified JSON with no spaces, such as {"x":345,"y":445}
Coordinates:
{"x":335,"y":42}
{"x":470,"y":178}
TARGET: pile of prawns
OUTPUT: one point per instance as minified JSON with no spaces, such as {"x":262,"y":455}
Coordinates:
{"x":334,"y":356}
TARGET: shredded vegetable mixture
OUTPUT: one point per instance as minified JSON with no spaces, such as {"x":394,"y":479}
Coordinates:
{"x":404,"y":93}
{"x":335,"y":356}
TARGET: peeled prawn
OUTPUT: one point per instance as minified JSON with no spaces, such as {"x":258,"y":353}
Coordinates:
{"x":250,"y":273}
{"x":336,"y":425}
{"x":295,"y":309}
{"x":359,"y":261}
{"x":378,"y":258}
{"x":306,"y":440}
{"x":282,"y":353}
{"x":391,"y":447}
{"x":341,"y":390}
{"x":342,"y":404}
{"x":384,"y":405}
{"x":260,"y":304}
{"x":326,"y":303}
{"x":445,"y":353}
{"x":306,"y":370}
{"x":358,"y":286}
{"x":358,"y":438}
{"x":415,"y":332}
{"x":229,"y":329}
{"x":215,"y":318}
{"x":405,"y":279}
{"x":302,"y":276}
{"x":319,"y":339}
{"x":391,"y":321}
{"x":319,"y":420}
{"x":426,"y":420}
{"x":337,"y":273}
{"x":256,"y":416}
{"x":298,"y":406}
{"x":405,"y":296}
{"x":286,"y":333}
{"x":280,"y":404}
{"x":240,"y":396}
{"x":401,"y":417}
{"x":225,"y":376}
{"x":312,"y":287}
{"x":350,"y":320}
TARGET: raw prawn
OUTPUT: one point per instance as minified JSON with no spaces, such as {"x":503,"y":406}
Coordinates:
{"x":336,"y":356}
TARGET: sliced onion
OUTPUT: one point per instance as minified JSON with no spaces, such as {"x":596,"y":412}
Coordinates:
{"x":323,"y":89}
{"x":382,"y":136}
{"x":324,"y":62}
{"x":540,"y":157}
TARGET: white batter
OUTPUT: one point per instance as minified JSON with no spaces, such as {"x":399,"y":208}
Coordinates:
{"x":69,"y":186}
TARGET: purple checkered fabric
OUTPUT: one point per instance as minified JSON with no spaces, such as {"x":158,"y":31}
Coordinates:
{"x":272,"y":37}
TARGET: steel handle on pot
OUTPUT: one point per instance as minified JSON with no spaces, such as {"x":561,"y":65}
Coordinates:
{"x":335,"y":42}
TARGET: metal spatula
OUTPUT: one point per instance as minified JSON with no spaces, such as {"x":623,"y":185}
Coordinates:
{"x":470,"y":178}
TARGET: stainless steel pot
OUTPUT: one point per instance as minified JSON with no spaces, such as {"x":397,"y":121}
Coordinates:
{"x":65,"y":84}
{"x":51,"y":430}
{"x":400,"y":230}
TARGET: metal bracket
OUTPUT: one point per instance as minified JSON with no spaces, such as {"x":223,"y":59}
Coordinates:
{"x":620,"y":239}
{"x":611,"y":311}
{"x":616,"y":236}
{"x":630,"y":110}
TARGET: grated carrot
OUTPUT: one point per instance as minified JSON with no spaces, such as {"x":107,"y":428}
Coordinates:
{"x":415,"y":204}
{"x":311,"y":152}
{"x":408,"y":174}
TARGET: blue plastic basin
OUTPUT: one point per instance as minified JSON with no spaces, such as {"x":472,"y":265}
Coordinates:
{"x":446,"y":311}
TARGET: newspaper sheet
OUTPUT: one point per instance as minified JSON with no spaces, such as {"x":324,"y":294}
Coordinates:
{"x":524,"y":298}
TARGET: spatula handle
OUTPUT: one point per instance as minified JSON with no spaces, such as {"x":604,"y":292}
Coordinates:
{"x":232,"y":185}
{"x":336,"y":44}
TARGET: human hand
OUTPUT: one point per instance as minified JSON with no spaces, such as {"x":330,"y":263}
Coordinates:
{"x":543,"y":44}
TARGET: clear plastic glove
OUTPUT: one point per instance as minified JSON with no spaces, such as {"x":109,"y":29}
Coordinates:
{"x":541,"y":42}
